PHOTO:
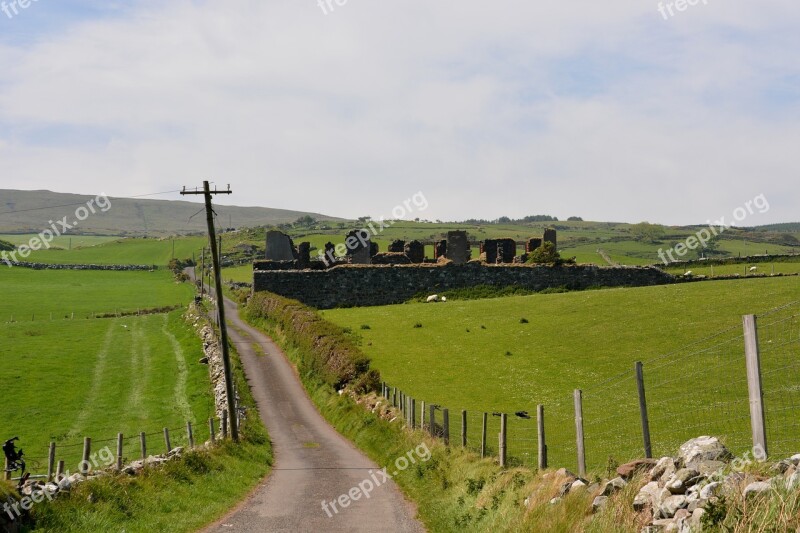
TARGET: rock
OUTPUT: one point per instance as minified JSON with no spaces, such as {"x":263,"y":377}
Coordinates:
{"x":565,"y":488}
{"x":781,"y":467}
{"x":203,"y":360}
{"x":598,"y":503}
{"x":757,"y":487}
{"x":682,"y":480}
{"x":793,"y":481}
{"x":578,"y":484}
{"x":661,"y":467}
{"x":696,"y":521}
{"x":795,"y":459}
{"x":628,"y":470}
{"x":555,"y":501}
{"x":648,"y":495}
{"x":666,"y":525}
{"x":563,"y":472}
{"x":710,"y":490}
{"x":705,"y":448}
{"x":613,"y":486}
{"x":671,"y":505}
{"x":710,"y":468}
{"x":682,"y":513}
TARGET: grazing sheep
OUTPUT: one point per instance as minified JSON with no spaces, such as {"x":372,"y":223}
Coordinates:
{"x":688,"y":273}
{"x":444,"y":298}
{"x":432,"y":298}
{"x":753,"y":268}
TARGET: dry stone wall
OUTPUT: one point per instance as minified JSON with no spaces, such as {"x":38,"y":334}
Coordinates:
{"x":354,"y":285}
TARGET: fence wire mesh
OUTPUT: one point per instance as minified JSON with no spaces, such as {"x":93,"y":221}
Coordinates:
{"x":700,"y":389}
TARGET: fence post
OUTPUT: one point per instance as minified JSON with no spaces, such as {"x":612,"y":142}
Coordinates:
{"x":87,"y":450}
{"x":648,"y":450}
{"x":463,"y":428}
{"x":542,"y":442}
{"x":119,"y":451}
{"x":6,"y":471}
{"x":143,"y":442}
{"x":503,"y":436}
{"x":446,"y":426}
{"x":190,"y":433}
{"x":432,"y":417}
{"x":483,"y":435}
{"x":413,"y":413}
{"x":166,"y":440}
{"x":224,"y":424}
{"x":51,"y":461}
{"x":211,"y":430}
{"x":422,"y":416}
{"x":753,"y":361}
{"x":578,"y":397}
{"x":394,"y":398}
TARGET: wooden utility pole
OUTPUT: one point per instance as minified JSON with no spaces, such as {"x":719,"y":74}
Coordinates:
{"x":223,"y":330}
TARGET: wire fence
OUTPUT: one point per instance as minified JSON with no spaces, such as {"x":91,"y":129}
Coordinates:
{"x":700,"y":389}
{"x":75,"y":456}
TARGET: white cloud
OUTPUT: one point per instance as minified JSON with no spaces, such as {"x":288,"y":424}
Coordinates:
{"x":602,"y":110}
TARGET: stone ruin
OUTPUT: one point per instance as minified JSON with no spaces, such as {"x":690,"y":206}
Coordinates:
{"x":282,"y":254}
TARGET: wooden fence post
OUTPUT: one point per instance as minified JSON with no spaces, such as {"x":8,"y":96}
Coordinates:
{"x":446,"y":426}
{"x":60,"y":471}
{"x":483,"y":435}
{"x":166,"y":440}
{"x":6,"y":471}
{"x":463,"y":428}
{"x":578,"y":397}
{"x":143,"y":442}
{"x":190,"y":434}
{"x":51,"y":461}
{"x":87,"y":450}
{"x":422,"y":416}
{"x":753,"y":362}
{"x":432,"y":418}
{"x":503,"y":437}
{"x":119,"y":451}
{"x":541,"y":439}
{"x":211,"y":430}
{"x":648,"y":451}
{"x":413,"y":413}
{"x":224,"y":424}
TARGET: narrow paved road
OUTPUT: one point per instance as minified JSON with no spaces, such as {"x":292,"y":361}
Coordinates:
{"x":312,"y":461}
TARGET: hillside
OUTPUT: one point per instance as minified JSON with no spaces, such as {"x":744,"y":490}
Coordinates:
{"x":31,"y":211}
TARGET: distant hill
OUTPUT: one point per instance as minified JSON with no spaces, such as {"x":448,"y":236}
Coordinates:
{"x":32,"y":211}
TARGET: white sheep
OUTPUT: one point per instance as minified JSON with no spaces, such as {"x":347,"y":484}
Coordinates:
{"x":688,"y":273}
{"x":753,"y":268}
{"x":432,"y":298}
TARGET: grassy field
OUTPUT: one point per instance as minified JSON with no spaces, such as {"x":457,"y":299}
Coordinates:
{"x":35,"y":294}
{"x":740,"y":269}
{"x":64,"y":379}
{"x":510,"y":354}
{"x":124,"y":252}
{"x":64,"y":241}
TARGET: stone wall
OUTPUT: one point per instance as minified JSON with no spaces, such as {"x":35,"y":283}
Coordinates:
{"x":353,"y":285}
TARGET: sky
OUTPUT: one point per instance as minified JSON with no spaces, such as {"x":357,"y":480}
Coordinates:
{"x":629,"y":111}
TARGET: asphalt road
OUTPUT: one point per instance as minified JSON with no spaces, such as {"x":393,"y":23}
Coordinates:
{"x":313,"y":463}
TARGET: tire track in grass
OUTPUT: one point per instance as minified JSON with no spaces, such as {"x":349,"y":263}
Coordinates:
{"x":181,"y":400}
{"x":140,"y":366}
{"x":97,"y":381}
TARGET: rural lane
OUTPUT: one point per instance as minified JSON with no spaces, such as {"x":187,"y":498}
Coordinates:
{"x":312,"y":461}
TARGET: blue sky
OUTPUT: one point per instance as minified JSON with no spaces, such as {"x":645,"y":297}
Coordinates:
{"x":600,"y":110}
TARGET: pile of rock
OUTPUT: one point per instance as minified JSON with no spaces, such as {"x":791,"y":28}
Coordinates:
{"x":676,"y":490}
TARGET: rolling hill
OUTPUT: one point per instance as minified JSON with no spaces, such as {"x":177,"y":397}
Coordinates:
{"x":31,"y":211}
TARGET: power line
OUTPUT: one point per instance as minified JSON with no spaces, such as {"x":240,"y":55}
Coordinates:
{"x":15,"y":211}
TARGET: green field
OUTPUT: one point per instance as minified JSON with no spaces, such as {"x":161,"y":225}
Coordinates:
{"x":64,"y":241}
{"x":123,"y":252}
{"x":66,"y":378}
{"x":480,"y":356}
{"x":742,"y":270}
{"x":36,"y":294}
